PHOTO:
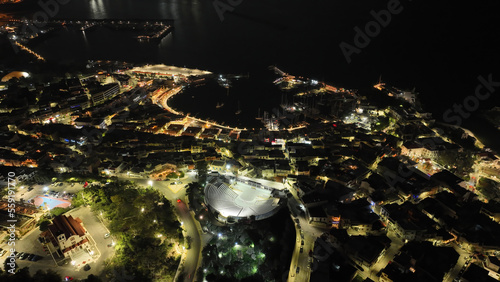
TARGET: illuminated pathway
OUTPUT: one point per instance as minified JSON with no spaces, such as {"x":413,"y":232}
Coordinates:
{"x":30,"y":51}
{"x":162,"y":97}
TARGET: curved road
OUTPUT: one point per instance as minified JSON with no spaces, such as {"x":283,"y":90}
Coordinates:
{"x":305,"y":233}
{"x":191,"y":259}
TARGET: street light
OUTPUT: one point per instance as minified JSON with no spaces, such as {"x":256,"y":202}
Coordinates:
{"x":150,"y":183}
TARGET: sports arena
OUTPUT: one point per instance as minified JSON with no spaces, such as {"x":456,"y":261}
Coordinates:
{"x":234,"y":198}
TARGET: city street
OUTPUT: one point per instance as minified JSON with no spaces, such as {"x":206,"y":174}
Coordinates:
{"x":310,"y":234}
{"x":390,"y":253}
{"x":462,"y":260}
{"x":193,"y":255}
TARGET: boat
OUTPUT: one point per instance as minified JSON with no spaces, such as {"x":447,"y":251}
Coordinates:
{"x":224,"y":82}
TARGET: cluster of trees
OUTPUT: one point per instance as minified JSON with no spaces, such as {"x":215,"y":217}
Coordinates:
{"x":143,"y":222}
{"x":173,"y":175}
{"x":489,"y":188}
{"x":259,"y":251}
{"x":459,"y":136}
{"x":382,"y":123}
{"x":459,"y":163}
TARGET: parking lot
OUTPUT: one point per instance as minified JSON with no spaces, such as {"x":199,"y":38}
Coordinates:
{"x":30,"y":245}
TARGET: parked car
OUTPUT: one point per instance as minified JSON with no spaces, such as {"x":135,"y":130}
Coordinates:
{"x":2,"y":252}
{"x":36,"y":258}
{"x":30,"y":189}
{"x":23,"y":256}
{"x":31,"y":256}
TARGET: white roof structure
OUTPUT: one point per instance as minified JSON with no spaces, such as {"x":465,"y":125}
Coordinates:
{"x":169,"y":70}
{"x":238,"y":199}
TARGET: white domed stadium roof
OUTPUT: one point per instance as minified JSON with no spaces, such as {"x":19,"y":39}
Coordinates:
{"x":239,"y":199}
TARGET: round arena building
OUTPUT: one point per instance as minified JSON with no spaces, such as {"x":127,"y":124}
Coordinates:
{"x":234,"y":198}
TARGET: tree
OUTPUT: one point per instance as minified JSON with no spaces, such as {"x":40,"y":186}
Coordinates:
{"x":47,"y":276}
{"x":93,"y":278}
{"x":44,"y":224}
{"x":202,"y":168}
{"x":458,"y":162}
{"x":58,"y":211}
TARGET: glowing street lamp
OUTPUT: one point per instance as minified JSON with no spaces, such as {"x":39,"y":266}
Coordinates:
{"x":150,"y":183}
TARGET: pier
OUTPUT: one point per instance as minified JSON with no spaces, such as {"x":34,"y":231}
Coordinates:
{"x":153,"y":30}
{"x":30,"y":51}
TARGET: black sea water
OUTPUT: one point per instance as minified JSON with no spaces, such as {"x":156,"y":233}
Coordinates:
{"x":438,"y":48}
